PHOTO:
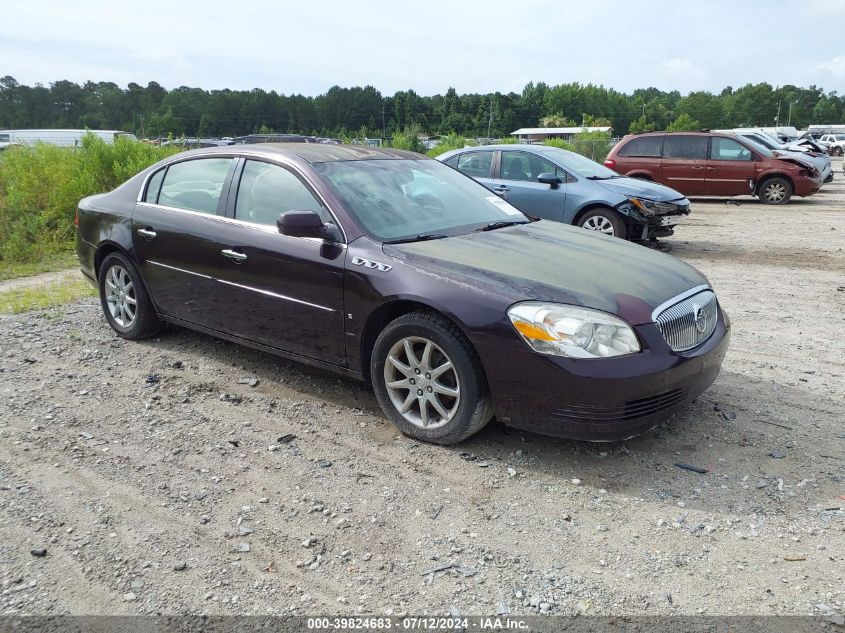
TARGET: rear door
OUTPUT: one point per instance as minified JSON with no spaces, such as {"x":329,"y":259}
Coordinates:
{"x":684,"y":163}
{"x":281,"y":291}
{"x":174,"y":234}
{"x":516,"y":182}
{"x":477,"y":165}
{"x":730,"y":168}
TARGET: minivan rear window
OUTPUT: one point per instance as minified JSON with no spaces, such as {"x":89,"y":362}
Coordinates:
{"x":685,"y":146}
{"x":645,"y":146}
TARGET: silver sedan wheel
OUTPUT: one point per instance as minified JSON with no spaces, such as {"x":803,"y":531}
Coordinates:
{"x":775,"y":192}
{"x":120,"y":296}
{"x":599,"y":223}
{"x":422,"y":382}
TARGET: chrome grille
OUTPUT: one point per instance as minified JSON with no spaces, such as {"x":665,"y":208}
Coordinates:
{"x":689,"y":322}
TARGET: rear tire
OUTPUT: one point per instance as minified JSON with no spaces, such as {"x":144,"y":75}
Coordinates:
{"x":124,"y":298}
{"x":775,"y":190}
{"x":604,"y":220}
{"x":423,"y":367}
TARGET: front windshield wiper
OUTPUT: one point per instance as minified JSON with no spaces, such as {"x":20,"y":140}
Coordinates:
{"x":417,"y":238}
{"x":501,"y":224}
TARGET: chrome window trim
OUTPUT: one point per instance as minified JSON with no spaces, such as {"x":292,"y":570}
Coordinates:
{"x":684,"y":295}
{"x":241,"y":154}
{"x":250,"y":225}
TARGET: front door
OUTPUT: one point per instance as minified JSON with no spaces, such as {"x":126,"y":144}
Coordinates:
{"x":684,"y":162}
{"x":516,"y":182}
{"x":174,"y":234}
{"x":730,"y":168}
{"x":281,"y":291}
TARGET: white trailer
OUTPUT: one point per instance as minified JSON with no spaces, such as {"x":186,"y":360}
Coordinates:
{"x":62,"y":138}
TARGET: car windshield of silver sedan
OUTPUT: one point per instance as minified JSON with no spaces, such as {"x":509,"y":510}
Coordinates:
{"x":408,"y":200}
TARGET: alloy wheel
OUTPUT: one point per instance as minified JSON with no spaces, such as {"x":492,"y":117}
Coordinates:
{"x":599,"y":223}
{"x":120,"y":296}
{"x":422,"y":382}
{"x":775,"y":192}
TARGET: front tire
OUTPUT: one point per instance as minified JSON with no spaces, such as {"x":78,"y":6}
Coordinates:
{"x":429,"y":380}
{"x":124,"y":298}
{"x":604,"y":220}
{"x":775,"y":190}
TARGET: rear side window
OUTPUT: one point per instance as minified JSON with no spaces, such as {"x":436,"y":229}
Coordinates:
{"x":525,"y":166}
{"x":728,"y":149}
{"x":5,"y":138}
{"x":685,"y":147}
{"x":644,"y":146}
{"x":153,"y":186}
{"x":475,"y":164}
{"x":195,"y":185}
{"x":452,"y":162}
{"x":267,"y":190}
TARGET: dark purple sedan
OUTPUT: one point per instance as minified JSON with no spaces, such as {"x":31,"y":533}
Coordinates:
{"x":396,"y":269}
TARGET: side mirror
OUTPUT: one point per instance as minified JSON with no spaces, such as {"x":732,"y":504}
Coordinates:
{"x":307,"y":224}
{"x":550,"y":179}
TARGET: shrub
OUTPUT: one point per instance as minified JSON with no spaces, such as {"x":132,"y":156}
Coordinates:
{"x":447,"y":143}
{"x":41,"y":185}
{"x":559,"y":142}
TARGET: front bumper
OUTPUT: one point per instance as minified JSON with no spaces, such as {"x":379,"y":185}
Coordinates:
{"x":607,"y":399}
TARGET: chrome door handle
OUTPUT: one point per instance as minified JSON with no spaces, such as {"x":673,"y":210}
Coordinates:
{"x":148,"y":233}
{"x":235,"y":256}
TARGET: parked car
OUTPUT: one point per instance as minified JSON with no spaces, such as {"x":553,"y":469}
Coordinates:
{"x":554,"y":184}
{"x":835,"y":143}
{"x":819,"y":160}
{"x":714,"y":164}
{"x":251,"y":139}
{"x":393,"y":268}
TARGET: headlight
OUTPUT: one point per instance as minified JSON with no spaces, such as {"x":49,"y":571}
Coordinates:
{"x":650,"y":207}
{"x":562,"y":330}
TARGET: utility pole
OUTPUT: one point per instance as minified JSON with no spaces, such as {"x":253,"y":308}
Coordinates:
{"x":383,"y":129}
{"x":490,"y":120}
{"x":777,"y":117}
{"x":789,"y":117}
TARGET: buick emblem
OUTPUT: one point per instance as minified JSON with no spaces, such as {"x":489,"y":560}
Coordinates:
{"x":700,"y":319}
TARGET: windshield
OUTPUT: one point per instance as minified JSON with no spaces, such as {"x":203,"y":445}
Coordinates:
{"x":579,"y":165}
{"x":760,"y":149}
{"x":408,"y":199}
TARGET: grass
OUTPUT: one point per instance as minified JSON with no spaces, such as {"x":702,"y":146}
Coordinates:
{"x":47,"y":264}
{"x":47,"y":295}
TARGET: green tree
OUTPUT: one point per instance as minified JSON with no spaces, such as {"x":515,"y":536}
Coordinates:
{"x":684,"y":123}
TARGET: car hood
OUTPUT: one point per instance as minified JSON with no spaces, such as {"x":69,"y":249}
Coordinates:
{"x":642,"y":189}
{"x":549,"y":261}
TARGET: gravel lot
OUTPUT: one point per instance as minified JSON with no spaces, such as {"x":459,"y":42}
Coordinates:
{"x":186,"y":474}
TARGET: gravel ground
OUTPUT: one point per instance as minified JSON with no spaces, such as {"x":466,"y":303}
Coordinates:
{"x":185,"y":474}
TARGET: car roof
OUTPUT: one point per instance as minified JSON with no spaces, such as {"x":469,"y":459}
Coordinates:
{"x":696,"y":133}
{"x":524,"y":147}
{"x":312,"y":152}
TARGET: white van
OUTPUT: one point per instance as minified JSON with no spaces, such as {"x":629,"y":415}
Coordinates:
{"x":62,"y":138}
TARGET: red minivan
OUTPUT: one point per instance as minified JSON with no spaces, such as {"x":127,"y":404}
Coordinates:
{"x":713,"y":164}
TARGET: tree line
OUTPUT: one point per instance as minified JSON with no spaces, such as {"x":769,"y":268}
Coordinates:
{"x":152,"y":110}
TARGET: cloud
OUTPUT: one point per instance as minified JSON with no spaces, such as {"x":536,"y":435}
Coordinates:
{"x":678,"y":65}
{"x":835,"y":66}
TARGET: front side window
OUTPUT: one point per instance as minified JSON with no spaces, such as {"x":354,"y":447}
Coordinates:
{"x":687,"y":147}
{"x":195,"y":185}
{"x":475,"y":164}
{"x":525,"y":166}
{"x":266,"y":190}
{"x":728,"y":149}
{"x":405,"y":199}
{"x":643,"y":147}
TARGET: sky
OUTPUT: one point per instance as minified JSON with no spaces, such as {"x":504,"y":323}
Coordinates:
{"x":426,"y":45}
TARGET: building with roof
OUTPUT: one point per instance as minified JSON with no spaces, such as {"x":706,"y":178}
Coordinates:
{"x":540,"y":134}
